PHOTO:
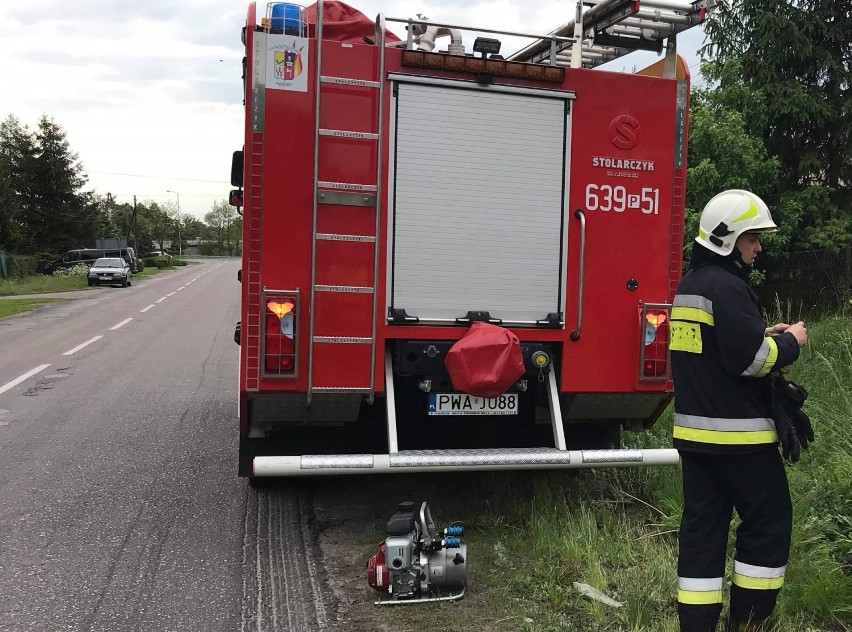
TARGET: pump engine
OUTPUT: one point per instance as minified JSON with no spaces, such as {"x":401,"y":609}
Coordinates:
{"x":417,"y":563}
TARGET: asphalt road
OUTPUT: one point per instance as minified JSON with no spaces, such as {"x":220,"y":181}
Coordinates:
{"x":120,"y":508}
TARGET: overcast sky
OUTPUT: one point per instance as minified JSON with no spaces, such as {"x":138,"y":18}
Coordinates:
{"x":149,"y":92}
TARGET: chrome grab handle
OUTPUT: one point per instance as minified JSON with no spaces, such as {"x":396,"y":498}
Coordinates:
{"x":575,"y":335}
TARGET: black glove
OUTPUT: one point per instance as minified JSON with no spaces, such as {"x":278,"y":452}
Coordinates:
{"x":791,"y":447}
{"x":791,"y":423}
{"x":793,"y":397}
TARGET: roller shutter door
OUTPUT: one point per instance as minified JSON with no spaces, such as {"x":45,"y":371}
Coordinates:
{"x":478,"y":181}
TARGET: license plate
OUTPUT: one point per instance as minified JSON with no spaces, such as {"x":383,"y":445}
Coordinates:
{"x":463,"y":404}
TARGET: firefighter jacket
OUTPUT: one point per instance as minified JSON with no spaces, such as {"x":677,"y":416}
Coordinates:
{"x":720,"y":359}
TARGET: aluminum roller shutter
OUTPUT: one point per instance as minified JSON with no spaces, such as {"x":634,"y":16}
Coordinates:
{"x":477,"y":203}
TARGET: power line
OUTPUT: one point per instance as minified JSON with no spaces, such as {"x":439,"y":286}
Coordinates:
{"x":136,"y":175}
{"x":189,"y":195}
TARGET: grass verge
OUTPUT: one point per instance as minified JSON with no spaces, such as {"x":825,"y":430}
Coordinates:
{"x":40,"y":284}
{"x":530,"y":535}
{"x":11,"y":306}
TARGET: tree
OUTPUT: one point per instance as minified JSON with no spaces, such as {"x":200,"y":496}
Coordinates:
{"x":785,"y":65}
{"x":222,"y":219}
{"x":193,"y":227}
{"x":60,"y":215}
{"x":157,"y":218}
{"x":723,"y":154}
{"x":17,"y":158}
{"x":9,"y":233}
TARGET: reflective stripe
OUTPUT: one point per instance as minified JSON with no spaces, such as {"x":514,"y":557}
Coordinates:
{"x":758,"y":583}
{"x":695,"y":597}
{"x":764,"y":359}
{"x":693,"y":300}
{"x":723,"y":424}
{"x":751,"y":570}
{"x":725,"y":437}
{"x":749,"y":214}
{"x":692,"y":313}
{"x":700,"y":584}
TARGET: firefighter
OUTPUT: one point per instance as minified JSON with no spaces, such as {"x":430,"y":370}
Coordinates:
{"x":722,"y":355}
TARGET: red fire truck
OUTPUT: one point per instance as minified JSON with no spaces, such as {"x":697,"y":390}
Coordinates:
{"x":403,"y":203}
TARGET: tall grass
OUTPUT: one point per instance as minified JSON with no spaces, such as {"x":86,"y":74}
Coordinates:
{"x":532,"y":535}
{"x":624,"y":542}
{"x":41,"y":283}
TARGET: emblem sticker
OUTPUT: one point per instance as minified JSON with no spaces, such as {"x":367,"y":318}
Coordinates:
{"x":287,"y":63}
{"x":685,"y":337}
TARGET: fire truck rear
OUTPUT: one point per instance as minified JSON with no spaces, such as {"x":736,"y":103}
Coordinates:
{"x":397,"y":195}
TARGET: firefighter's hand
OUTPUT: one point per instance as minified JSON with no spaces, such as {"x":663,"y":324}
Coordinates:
{"x":800,"y":332}
{"x":778,"y":328}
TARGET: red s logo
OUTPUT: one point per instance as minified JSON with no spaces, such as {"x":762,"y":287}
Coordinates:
{"x":624,"y":132}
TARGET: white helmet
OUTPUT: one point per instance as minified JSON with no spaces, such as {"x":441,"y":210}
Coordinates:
{"x":729,"y":215}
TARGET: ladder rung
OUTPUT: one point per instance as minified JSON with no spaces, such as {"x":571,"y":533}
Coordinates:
{"x":349,"y":186}
{"x":335,"y":237}
{"x":344,"y":81}
{"x":349,"y":289}
{"x":340,"y":340}
{"x":342,"y":133}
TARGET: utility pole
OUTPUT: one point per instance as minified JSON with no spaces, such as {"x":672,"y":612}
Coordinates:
{"x":180,"y":244}
{"x":135,"y":226}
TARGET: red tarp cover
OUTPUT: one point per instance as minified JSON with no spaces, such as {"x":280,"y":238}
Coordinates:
{"x":342,"y":23}
{"x":486,"y":362}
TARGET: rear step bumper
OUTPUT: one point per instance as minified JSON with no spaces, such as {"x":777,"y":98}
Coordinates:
{"x":458,"y":461}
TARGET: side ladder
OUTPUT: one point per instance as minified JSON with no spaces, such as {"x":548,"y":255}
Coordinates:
{"x":338,"y":359}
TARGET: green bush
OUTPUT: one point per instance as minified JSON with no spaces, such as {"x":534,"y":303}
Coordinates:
{"x":150,"y":262}
{"x":22,"y":265}
{"x":140,"y":265}
{"x":179,"y":262}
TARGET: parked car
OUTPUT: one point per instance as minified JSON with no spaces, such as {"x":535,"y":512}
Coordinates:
{"x":110,"y":271}
{"x":88,"y":256}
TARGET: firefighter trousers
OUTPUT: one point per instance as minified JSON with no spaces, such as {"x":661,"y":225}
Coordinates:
{"x":714,"y":484}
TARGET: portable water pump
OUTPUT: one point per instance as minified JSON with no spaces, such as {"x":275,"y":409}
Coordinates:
{"x":416,"y":563}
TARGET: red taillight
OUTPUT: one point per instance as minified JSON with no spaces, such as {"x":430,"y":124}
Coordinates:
{"x":655,"y":349}
{"x":281,"y":317}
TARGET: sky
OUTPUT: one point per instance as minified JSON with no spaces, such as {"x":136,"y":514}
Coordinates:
{"x":149,"y":92}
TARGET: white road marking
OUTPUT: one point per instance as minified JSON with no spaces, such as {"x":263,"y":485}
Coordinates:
{"x":160,"y":300}
{"x":85,"y":344}
{"x":180,"y":288}
{"x":121,"y":324}
{"x":171,"y":294}
{"x":20,"y":379}
{"x":142,"y":311}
